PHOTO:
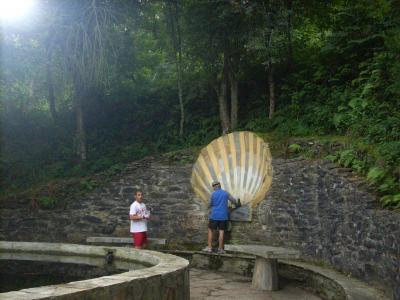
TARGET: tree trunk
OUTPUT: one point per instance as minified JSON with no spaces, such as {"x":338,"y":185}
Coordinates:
{"x":223,"y":107}
{"x":181,"y":106}
{"x":49,"y":75}
{"x":176,"y":37}
{"x":234,"y":100}
{"x":179,"y":69}
{"x":80,"y":137}
{"x":271,"y":86}
{"x":230,"y":72}
{"x":51,"y":96}
{"x":269,"y":59}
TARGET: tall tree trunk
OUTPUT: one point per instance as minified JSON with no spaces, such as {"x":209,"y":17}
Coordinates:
{"x":180,"y":72}
{"x":271,"y":86}
{"x":49,"y":75}
{"x":80,"y":136}
{"x":176,"y":37}
{"x":234,"y":99}
{"x":230,"y":74}
{"x":181,"y":105}
{"x":269,"y":59}
{"x":223,"y":107}
{"x":51,"y":96}
{"x":31,"y":94}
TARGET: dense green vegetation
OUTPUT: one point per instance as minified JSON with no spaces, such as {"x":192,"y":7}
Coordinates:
{"x":87,"y":86}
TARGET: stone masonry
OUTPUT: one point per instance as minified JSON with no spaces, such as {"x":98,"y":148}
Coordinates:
{"x":313,"y":206}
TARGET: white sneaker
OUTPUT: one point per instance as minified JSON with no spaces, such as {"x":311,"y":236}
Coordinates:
{"x":207,"y":249}
{"x":221,"y":251}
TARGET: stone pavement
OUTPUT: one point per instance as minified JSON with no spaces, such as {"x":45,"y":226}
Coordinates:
{"x":205,"y":284}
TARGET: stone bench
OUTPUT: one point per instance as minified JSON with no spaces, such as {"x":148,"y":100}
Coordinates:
{"x":265,"y":274}
{"x":329,"y":283}
{"x":101,"y":240}
{"x":324,"y":281}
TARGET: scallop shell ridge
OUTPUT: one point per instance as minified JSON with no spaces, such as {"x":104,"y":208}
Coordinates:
{"x":240,"y":161}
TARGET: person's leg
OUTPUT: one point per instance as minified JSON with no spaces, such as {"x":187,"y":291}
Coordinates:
{"x":211,"y":225}
{"x":221,"y":239}
{"x":133,"y":238}
{"x":138,"y":237}
{"x":144,"y":241}
{"x":210,"y":236}
{"x":222,"y":226}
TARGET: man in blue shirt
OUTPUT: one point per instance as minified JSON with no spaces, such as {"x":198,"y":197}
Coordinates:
{"x":218,"y":219}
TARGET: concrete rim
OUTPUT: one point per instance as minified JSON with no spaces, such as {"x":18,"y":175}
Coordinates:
{"x":162,"y":264}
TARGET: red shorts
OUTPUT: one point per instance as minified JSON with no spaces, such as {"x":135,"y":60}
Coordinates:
{"x":139,"y":239}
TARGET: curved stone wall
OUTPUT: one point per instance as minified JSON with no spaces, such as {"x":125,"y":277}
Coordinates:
{"x":167,"y":278}
{"x":324,"y":211}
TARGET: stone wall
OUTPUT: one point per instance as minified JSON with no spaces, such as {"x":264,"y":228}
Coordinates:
{"x":322,"y":210}
{"x":176,"y":213}
{"x":327,"y":214}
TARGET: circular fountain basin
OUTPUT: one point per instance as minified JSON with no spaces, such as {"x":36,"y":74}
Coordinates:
{"x":145,"y":274}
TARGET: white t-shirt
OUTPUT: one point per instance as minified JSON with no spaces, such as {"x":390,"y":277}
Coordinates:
{"x":140,"y":210}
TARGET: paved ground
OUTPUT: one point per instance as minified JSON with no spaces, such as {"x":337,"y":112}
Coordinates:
{"x":216,"y":285}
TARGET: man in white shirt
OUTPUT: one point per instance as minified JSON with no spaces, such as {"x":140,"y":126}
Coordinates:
{"x":139,"y":215}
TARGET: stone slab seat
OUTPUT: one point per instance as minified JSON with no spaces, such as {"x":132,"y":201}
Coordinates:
{"x":121,"y":240}
{"x":265,"y":274}
{"x":350,"y":288}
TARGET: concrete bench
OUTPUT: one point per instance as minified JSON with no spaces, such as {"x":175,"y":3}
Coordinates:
{"x":324,"y":281}
{"x":329,"y":283}
{"x":121,"y":240}
{"x":265,"y":275}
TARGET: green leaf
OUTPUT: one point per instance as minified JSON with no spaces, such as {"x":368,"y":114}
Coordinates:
{"x":375,"y":175}
{"x":354,"y":103}
{"x":347,"y":157}
{"x":338,"y":118}
{"x":386,"y":200}
{"x":331,"y":157}
{"x":388,"y":185}
{"x":47,"y":202}
{"x":364,"y":104}
{"x":294,"y":148}
{"x":391,"y":200}
{"x":396,"y":198}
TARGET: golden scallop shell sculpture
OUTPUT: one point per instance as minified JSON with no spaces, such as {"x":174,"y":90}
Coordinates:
{"x":240,"y":161}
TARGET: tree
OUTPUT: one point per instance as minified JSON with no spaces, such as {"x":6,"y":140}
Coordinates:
{"x":236,"y":40}
{"x":272,"y":34}
{"x":218,"y":37}
{"x":49,"y":78}
{"x":174,"y":22}
{"x":268,"y":39}
{"x":85,"y":50}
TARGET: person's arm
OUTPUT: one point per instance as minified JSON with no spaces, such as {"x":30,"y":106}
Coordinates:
{"x":233,"y":200}
{"x":146,"y":213}
{"x":134,"y":216}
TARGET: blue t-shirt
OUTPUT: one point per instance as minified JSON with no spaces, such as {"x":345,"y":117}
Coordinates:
{"x":219,"y":205}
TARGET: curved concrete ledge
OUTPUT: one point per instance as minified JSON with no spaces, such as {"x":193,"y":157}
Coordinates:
{"x":324,"y":281}
{"x":328,"y":283}
{"x":167,"y":278}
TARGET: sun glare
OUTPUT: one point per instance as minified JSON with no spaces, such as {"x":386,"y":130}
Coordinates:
{"x":11,"y":10}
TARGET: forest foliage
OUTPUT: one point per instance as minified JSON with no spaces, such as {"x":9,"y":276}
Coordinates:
{"x":86,"y":86}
